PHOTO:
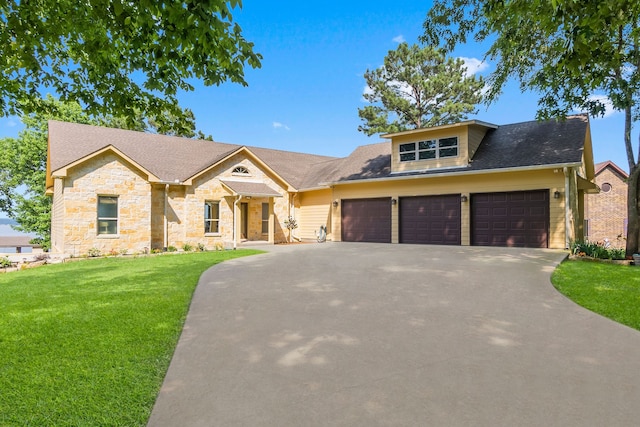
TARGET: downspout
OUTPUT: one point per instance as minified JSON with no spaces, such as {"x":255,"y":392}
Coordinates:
{"x":165,"y":241}
{"x":235,"y":222}
{"x":567,"y":208}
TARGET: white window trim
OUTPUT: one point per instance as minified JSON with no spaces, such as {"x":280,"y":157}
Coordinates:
{"x":234,"y":173}
{"x":99,"y":218}
{"x":213,"y":233}
{"x":416,"y":150}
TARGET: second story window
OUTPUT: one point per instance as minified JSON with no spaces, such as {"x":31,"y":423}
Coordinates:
{"x":429,"y":149}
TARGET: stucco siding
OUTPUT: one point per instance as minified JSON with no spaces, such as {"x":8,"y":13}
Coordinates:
{"x":464,"y":185}
{"x":460,"y":160}
{"x":315,"y":210}
{"x":106,"y":175}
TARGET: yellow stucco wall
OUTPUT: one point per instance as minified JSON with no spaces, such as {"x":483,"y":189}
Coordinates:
{"x":550,"y":179}
{"x":461,"y":160}
{"x":315,"y":210}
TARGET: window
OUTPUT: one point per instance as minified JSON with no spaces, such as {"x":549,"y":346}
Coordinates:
{"x":240,"y":170}
{"x":265,"y":218}
{"x":107,"y":215}
{"x":606,"y":187}
{"x":211,"y":217}
{"x":429,"y":149}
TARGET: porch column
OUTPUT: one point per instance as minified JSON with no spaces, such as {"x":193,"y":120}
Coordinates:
{"x":271,"y":222}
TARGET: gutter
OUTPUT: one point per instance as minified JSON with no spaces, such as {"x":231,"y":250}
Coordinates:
{"x":454,"y":173}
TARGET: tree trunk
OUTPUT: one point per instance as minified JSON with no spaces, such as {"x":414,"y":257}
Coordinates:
{"x":633,"y":210}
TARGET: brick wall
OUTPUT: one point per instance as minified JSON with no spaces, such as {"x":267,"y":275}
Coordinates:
{"x":607,"y":211}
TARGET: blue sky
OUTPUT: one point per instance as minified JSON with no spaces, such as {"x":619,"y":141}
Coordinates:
{"x":307,"y":94}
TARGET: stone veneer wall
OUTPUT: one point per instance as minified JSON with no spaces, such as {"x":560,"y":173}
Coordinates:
{"x":187,"y":226}
{"x":607,"y":212}
{"x":106,"y":175}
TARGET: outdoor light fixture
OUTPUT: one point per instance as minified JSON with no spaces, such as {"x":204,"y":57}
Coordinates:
{"x":556,"y":195}
{"x":393,"y":202}
{"x":464,"y":198}
{"x":335,"y":203}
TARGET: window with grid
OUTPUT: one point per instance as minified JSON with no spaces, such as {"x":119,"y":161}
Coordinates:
{"x":107,"y":215}
{"x":429,"y":149}
{"x":211,"y":217}
{"x":265,"y":218}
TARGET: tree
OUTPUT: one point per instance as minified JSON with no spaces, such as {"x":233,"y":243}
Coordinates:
{"x":23,"y":169}
{"x":419,"y":87}
{"x":117,"y":57}
{"x":565,"y":50}
{"x":23,"y":162}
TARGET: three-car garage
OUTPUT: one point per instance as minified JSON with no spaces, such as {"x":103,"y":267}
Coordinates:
{"x":517,"y":218}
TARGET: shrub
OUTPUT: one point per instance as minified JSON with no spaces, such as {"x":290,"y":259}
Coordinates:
{"x":201,"y":247}
{"x":596,"y":250}
{"x":219,"y":246}
{"x":94,"y":252}
{"x":187,"y":247}
{"x":171,"y":248}
{"x":5,"y":262}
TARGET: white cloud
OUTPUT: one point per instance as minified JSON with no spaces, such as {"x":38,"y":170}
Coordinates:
{"x":399,"y":39}
{"x":608,"y":105}
{"x":473,"y":65}
{"x":278,"y":125}
{"x":11,"y":123}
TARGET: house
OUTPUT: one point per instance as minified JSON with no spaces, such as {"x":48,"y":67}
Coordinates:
{"x":18,"y":245}
{"x":606,"y":212}
{"x":469,"y":183}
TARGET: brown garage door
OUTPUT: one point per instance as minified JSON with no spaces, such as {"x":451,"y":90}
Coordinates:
{"x":519,"y":218}
{"x":430,"y":219}
{"x":366,"y":220}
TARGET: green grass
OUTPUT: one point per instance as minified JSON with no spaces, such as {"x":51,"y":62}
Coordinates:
{"x":88,"y":343}
{"x":608,"y":289}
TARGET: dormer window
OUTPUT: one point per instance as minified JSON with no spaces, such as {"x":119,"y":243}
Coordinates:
{"x":240,"y":170}
{"x":429,"y":149}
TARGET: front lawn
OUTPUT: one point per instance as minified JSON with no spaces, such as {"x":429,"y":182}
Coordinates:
{"x":88,"y":343}
{"x":608,"y":289}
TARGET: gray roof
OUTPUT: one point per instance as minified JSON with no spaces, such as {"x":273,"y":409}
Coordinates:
{"x":16,"y":241}
{"x":167,"y":157}
{"x":534,"y":143}
{"x":255,"y":189}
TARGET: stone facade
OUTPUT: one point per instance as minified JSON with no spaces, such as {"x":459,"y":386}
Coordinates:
{"x":160,"y":215}
{"x":606,"y":212}
{"x":105,"y":175}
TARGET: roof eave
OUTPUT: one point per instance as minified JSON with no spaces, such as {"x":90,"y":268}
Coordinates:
{"x":455,"y":173}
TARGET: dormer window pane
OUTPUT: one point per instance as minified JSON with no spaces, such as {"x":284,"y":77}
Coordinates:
{"x":408,"y":152}
{"x":429,"y":154}
{"x":428,"y":145}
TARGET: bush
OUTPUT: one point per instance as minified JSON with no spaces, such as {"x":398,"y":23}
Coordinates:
{"x":171,"y":248}
{"x":5,"y":262}
{"x":94,"y":252}
{"x":201,"y":247}
{"x":596,"y":250}
{"x":187,"y":247}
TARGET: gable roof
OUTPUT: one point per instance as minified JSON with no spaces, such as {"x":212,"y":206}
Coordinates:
{"x":514,"y":146}
{"x":167,"y":157}
{"x":609,"y":164}
{"x":519,"y":145}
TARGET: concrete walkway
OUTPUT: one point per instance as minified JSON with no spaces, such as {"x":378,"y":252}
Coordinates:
{"x":341,"y":334}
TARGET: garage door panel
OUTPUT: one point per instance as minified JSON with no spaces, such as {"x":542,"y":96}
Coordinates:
{"x":430,"y":219}
{"x":366,"y":220}
{"x":518,"y":219}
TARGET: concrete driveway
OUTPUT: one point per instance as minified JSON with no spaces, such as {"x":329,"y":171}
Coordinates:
{"x":341,"y":334}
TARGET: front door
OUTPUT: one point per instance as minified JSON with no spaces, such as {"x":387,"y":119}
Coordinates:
{"x":244,"y":220}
